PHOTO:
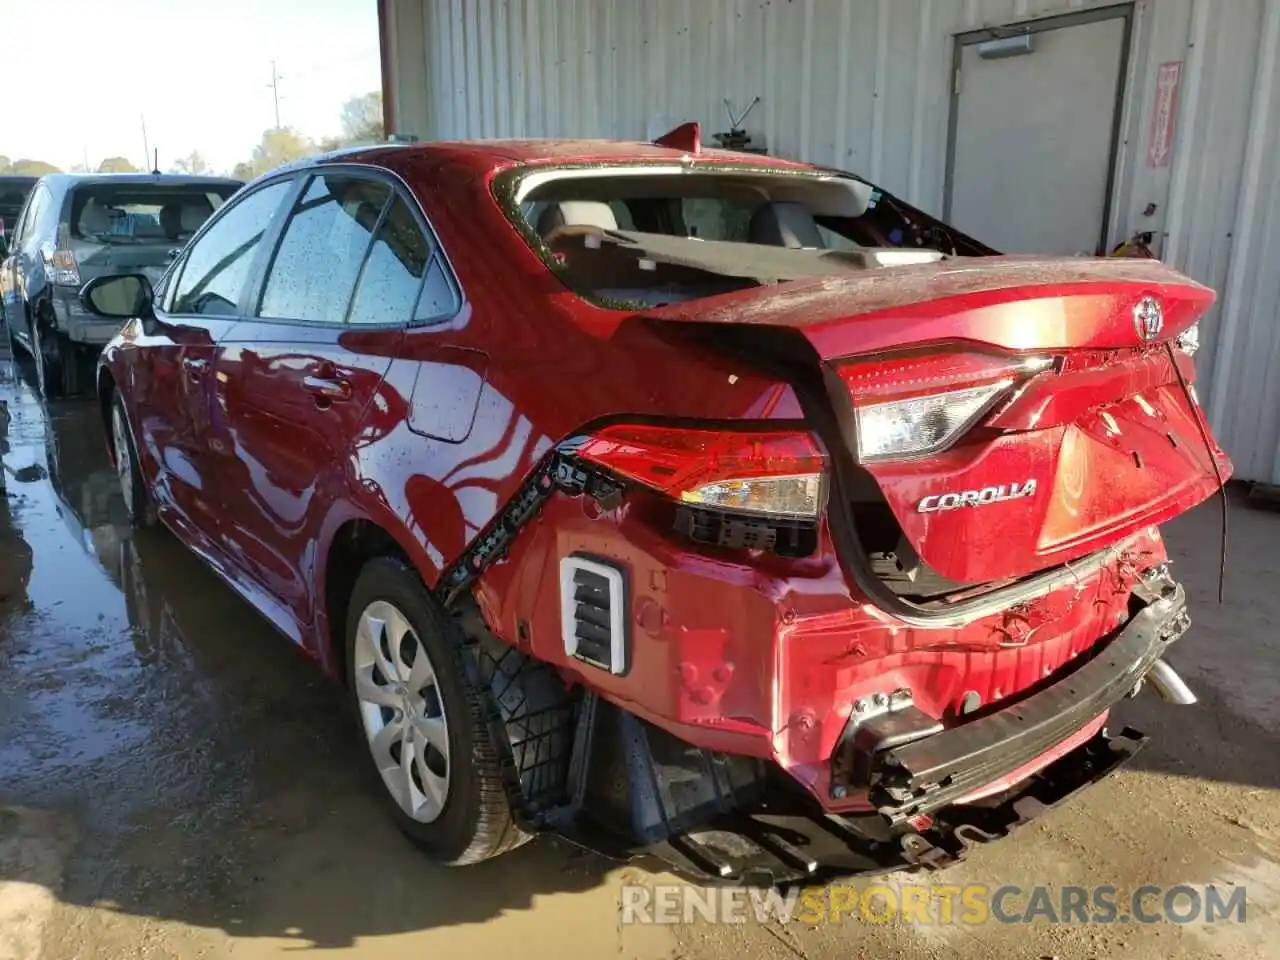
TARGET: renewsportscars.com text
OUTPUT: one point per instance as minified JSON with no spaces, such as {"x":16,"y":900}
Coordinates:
{"x":964,"y":905}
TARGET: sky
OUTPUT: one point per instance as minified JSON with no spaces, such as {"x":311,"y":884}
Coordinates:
{"x":199,"y":71}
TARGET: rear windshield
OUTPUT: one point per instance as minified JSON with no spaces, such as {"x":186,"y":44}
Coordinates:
{"x":142,"y":213}
{"x":645,"y":236}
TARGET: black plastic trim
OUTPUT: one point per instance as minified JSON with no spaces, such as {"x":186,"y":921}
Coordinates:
{"x":936,"y":770}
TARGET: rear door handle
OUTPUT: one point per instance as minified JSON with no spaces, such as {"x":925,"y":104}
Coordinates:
{"x":327,"y":388}
{"x":195,"y":366}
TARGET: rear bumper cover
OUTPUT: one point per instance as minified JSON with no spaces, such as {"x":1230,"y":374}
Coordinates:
{"x":709,"y":816}
{"x":923,"y":775}
{"x":79,"y":325}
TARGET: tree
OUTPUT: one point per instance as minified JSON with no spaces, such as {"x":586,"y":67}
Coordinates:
{"x":116,"y":165}
{"x":362,"y":119}
{"x":5,"y":163}
{"x":243,"y":171}
{"x":279,"y":145}
{"x":193,"y":163}
{"x":32,"y":168}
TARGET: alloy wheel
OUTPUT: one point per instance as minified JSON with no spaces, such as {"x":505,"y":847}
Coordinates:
{"x":402,"y":711}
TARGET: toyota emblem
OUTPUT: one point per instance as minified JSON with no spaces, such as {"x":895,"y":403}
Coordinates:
{"x":1148,"y":318}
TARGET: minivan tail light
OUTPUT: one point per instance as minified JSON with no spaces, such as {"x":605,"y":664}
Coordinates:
{"x":66,"y":271}
{"x":912,"y":405}
{"x":763,"y":472}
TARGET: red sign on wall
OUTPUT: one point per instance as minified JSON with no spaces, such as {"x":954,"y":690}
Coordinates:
{"x":1160,"y":147}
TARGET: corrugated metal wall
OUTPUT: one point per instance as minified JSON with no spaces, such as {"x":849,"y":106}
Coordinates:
{"x":865,"y":85}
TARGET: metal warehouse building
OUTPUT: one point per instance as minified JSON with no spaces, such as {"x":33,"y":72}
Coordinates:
{"x":1035,"y":125}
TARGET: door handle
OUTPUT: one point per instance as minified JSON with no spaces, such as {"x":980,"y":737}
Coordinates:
{"x":195,"y":366}
{"x":326,"y":388}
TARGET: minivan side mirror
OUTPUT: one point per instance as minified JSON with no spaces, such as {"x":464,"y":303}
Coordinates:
{"x":118,"y":297}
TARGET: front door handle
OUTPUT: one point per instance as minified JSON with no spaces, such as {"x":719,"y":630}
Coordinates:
{"x":327,"y":388}
{"x":195,"y":366}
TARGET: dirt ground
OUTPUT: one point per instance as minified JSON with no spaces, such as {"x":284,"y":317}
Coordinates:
{"x":176,"y":782}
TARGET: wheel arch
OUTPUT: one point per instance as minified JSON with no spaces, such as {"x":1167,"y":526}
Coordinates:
{"x":353,"y":539}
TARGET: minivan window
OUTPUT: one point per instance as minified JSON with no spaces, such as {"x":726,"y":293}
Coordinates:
{"x":143,"y":213}
{"x":315,"y":268}
{"x":36,"y":205}
{"x":218,"y":264}
{"x":392,"y":274}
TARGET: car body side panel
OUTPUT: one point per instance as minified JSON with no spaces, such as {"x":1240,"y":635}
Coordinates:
{"x":280,"y":451}
{"x":157,"y":363}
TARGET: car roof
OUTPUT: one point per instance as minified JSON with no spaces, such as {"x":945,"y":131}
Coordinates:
{"x":162,"y":179}
{"x":492,"y":155}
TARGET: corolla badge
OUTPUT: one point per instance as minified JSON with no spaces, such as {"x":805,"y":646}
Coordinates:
{"x":938,"y":502}
{"x":1148,"y":318}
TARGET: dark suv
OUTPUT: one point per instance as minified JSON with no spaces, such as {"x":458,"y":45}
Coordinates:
{"x":74,"y":227}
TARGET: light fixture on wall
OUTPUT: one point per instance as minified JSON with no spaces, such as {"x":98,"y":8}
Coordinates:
{"x":1006,"y":47}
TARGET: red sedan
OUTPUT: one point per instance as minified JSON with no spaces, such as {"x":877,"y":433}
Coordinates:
{"x":685,"y":502}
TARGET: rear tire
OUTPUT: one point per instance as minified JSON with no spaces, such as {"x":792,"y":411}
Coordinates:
{"x":451,"y":803}
{"x":47,"y":350}
{"x":138,"y":505}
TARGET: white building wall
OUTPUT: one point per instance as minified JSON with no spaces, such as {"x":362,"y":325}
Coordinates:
{"x":865,"y":85}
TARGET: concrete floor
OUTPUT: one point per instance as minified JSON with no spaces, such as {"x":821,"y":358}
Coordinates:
{"x":176,"y":782}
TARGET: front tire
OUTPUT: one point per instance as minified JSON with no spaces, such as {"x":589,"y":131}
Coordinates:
{"x":423,"y":719}
{"x":138,"y":505}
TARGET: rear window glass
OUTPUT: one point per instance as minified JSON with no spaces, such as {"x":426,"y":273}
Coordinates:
{"x":644,"y":236}
{"x":142,"y":213}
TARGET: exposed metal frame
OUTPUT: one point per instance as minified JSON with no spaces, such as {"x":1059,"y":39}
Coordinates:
{"x":1121,"y":11}
{"x":385,"y":59}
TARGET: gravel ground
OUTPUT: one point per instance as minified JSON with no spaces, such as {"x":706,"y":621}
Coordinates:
{"x":176,"y":782}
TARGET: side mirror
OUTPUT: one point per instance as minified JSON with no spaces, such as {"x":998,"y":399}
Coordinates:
{"x":118,"y":297}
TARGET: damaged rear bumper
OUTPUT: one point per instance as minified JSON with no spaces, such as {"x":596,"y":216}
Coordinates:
{"x":776,"y":841}
{"x":906,"y":777}
{"x":725,"y":818}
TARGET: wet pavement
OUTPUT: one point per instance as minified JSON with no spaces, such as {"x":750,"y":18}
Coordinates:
{"x":176,"y":781}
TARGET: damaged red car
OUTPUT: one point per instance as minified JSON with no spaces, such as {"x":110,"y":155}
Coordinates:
{"x":686,"y":503}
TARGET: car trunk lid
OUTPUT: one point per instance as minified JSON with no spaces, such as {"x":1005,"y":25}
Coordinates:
{"x":1090,"y":435}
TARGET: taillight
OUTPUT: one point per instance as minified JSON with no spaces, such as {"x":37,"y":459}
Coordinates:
{"x":66,"y":272}
{"x":914,"y":405}
{"x":764,"y":473}
{"x":61,"y":266}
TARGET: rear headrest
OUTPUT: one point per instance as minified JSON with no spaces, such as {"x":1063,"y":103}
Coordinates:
{"x":577,"y":213}
{"x":194,"y":215}
{"x":179,"y":218}
{"x":785,"y":224}
{"x":95,"y":219}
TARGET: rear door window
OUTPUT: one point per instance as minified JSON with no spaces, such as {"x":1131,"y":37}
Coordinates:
{"x":314,"y":273}
{"x":404,"y":277}
{"x":218,"y":264}
{"x":37,"y":204}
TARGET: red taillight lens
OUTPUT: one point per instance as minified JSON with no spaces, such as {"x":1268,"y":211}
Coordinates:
{"x":921,"y":374}
{"x":769,"y":472}
{"x":916,"y":404}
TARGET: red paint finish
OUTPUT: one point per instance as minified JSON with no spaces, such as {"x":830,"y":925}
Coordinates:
{"x":438,"y":426}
